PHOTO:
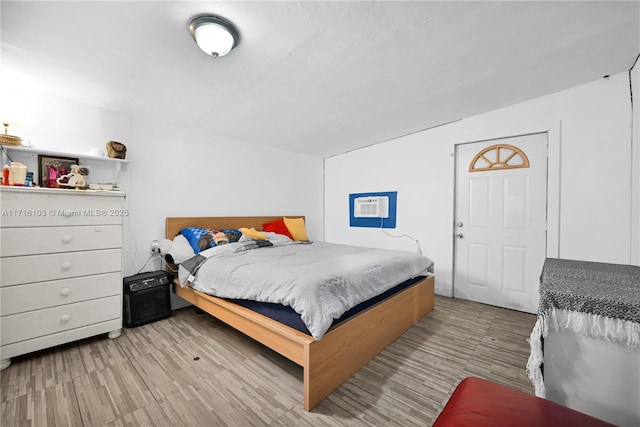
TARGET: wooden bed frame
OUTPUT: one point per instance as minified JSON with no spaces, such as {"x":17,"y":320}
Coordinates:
{"x":342,"y":351}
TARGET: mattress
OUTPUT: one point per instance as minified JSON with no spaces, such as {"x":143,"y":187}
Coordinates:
{"x":287,"y":315}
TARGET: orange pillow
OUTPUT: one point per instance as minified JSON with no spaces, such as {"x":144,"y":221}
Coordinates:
{"x":277,"y":226}
{"x":253,"y":233}
{"x":296,"y":228}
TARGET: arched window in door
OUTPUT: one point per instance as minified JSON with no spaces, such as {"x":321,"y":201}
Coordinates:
{"x":499,"y":156}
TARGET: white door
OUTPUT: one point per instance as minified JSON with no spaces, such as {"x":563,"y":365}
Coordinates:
{"x":501,"y":218}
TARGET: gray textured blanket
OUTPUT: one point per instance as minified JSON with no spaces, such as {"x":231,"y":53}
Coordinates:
{"x":611,"y":290}
{"x":320,"y":281}
{"x":593,"y":299}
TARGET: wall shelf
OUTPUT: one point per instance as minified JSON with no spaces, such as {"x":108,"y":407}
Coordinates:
{"x":20,"y":153}
{"x":40,"y":151}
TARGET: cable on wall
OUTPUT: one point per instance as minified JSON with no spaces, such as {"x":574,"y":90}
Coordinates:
{"x":631,"y":84}
{"x":632,"y":153}
{"x":153,"y":255}
{"x":6,"y":153}
{"x":631,"y":98}
{"x":418,"y":250}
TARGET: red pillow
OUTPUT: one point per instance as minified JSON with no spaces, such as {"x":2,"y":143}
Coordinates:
{"x":277,"y":226}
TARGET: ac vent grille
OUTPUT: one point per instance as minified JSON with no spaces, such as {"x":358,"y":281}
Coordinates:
{"x":371,"y":207}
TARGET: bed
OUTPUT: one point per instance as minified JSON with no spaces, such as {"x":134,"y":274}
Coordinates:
{"x":342,"y":350}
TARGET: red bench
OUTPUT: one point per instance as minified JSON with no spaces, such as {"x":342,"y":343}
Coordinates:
{"x":476,"y":403}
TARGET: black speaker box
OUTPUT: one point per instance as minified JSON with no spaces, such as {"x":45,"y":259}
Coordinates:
{"x":146,"y":298}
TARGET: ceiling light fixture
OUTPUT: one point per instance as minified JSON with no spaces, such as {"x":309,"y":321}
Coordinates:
{"x":214,"y":35}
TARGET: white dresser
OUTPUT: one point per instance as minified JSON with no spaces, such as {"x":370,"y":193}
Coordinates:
{"x":60,"y":267}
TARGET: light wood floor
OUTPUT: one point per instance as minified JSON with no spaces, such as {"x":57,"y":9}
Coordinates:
{"x":192,"y":370}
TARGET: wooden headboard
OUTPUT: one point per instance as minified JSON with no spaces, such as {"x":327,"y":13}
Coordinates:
{"x":175,"y":224}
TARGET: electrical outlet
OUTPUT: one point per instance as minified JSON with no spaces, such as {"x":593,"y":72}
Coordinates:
{"x":155,"y":246}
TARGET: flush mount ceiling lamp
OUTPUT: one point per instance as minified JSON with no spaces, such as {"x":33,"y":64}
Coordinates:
{"x":214,"y":35}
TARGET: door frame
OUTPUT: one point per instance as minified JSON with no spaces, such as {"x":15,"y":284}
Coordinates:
{"x":553,"y":189}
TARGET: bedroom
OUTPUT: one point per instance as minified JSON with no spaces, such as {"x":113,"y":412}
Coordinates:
{"x":173,"y":158}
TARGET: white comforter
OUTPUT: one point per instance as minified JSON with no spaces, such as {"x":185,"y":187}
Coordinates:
{"x":320,"y":281}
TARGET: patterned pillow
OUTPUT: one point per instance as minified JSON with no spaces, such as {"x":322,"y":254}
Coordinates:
{"x":199,"y":238}
{"x":232,"y":234}
{"x":204,"y":238}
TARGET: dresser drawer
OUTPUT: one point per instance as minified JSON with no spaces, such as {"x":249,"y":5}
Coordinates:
{"x":46,"y":240}
{"x":51,"y":207}
{"x":24,"y":326}
{"x":35,"y":296}
{"x":40,"y":268}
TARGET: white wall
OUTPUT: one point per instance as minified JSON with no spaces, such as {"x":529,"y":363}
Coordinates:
{"x":182,"y":172}
{"x":176,"y":171}
{"x":589,"y":177}
{"x":635,"y":185}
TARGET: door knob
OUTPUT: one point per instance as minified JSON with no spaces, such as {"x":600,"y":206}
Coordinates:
{"x":459,"y":235}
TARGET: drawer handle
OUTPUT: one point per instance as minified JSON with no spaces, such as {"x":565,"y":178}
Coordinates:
{"x":65,"y":318}
{"x":66,"y":238}
{"x":65,"y":292}
{"x":66,"y":265}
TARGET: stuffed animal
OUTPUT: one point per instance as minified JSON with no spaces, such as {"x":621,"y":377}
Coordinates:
{"x":175,"y":251}
{"x":77,"y":178}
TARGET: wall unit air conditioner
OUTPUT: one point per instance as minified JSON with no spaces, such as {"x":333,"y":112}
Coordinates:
{"x":371,"y":207}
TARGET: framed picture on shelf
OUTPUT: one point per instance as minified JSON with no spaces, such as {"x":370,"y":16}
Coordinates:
{"x":50,"y":168}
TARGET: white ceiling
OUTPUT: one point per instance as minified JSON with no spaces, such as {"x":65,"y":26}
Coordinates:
{"x":319,"y":78}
